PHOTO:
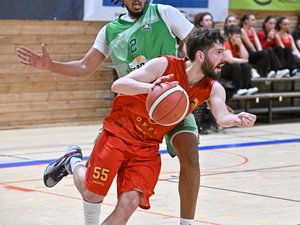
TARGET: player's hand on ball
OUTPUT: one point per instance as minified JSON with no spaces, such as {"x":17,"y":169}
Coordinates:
{"x":164,"y":79}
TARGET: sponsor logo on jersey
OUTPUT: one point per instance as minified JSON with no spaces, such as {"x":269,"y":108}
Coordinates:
{"x":147,"y":27}
{"x":138,"y":62}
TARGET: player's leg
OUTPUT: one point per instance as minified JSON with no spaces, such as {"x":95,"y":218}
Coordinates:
{"x":127,"y":204}
{"x":189,"y":175}
{"x":136,"y":181}
{"x":71,"y":163}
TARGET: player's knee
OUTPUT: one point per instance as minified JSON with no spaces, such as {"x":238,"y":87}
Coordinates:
{"x":92,"y":197}
{"x":186,"y":146}
{"x":128,"y":202}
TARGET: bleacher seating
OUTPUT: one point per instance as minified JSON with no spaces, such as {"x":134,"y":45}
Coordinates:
{"x":274,"y":97}
{"x":30,"y":97}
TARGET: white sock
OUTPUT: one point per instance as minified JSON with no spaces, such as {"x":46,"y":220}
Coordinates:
{"x":74,"y":162}
{"x":91,"y":213}
{"x":186,"y":222}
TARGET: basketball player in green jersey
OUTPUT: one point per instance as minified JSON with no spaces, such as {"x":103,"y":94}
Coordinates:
{"x":143,"y":33}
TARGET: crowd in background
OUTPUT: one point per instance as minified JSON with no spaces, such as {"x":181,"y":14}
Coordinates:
{"x":271,"y":51}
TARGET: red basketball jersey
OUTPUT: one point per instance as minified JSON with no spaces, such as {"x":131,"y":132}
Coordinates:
{"x":129,"y":119}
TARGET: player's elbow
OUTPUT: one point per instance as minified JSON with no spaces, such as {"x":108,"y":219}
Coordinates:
{"x":118,"y":86}
{"x":115,"y":86}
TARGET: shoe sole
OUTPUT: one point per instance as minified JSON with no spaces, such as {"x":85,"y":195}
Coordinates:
{"x":56,"y":170}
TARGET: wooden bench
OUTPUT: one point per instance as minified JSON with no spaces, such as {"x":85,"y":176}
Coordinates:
{"x":272,"y":81}
{"x":270,"y":97}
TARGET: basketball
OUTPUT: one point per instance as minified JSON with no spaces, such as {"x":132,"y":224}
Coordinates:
{"x":167,"y":103}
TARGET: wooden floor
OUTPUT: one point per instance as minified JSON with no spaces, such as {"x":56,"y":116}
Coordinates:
{"x":249,"y":177}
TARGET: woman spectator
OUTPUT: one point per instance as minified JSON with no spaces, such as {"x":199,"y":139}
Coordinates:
{"x":229,"y":20}
{"x":270,"y":39}
{"x":237,"y":69}
{"x":296,"y":33}
{"x":283,"y":26}
{"x":232,"y":20}
{"x":265,"y":59}
{"x":204,"y":19}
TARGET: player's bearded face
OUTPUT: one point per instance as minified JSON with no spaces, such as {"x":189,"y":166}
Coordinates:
{"x":211,"y":70}
{"x":135,"y":8}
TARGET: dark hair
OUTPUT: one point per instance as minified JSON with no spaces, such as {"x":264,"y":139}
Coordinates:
{"x":298,"y":21}
{"x":202,"y":39}
{"x":234,"y":29}
{"x":199,"y":18}
{"x":226,"y":28}
{"x":279,"y":21}
{"x":264,"y":26}
{"x":244,"y":18}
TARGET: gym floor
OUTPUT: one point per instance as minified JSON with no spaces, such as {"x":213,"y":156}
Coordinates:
{"x":249,"y":177}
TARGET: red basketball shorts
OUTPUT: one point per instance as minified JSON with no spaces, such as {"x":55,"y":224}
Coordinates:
{"x":137,"y":167}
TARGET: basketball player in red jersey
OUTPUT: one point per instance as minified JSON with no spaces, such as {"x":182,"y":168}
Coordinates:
{"x":129,"y":143}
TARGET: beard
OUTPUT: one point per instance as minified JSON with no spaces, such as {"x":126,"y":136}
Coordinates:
{"x":136,"y":14}
{"x":208,"y":69}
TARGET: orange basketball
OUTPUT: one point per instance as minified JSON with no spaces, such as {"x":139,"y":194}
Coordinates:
{"x":167,"y":104}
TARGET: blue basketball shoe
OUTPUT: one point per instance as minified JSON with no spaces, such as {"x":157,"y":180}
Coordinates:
{"x":61,"y":167}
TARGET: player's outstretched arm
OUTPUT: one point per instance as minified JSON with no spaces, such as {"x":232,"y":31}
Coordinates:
{"x":220,"y":110}
{"x":77,"y":68}
{"x":31,"y":58}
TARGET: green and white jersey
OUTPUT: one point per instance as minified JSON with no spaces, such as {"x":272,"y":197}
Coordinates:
{"x":131,"y":43}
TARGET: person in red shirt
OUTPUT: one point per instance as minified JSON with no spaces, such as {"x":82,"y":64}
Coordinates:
{"x":129,"y":143}
{"x":237,"y":69}
{"x":263,"y":58}
{"x":287,"y":40}
{"x":269,"y":38}
{"x":296,"y":33}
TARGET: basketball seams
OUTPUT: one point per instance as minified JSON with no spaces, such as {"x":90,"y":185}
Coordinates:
{"x":162,"y":96}
{"x":187,"y":106}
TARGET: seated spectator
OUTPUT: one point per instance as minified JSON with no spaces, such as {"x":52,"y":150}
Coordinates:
{"x":237,"y":69}
{"x":204,"y":19}
{"x":296,"y":33}
{"x":266,"y":60}
{"x":283,"y":26}
{"x":270,"y":39}
{"x":229,"y":20}
{"x":232,"y":20}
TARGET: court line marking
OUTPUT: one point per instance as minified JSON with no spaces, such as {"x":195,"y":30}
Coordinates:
{"x":17,"y":188}
{"x":164,"y":151}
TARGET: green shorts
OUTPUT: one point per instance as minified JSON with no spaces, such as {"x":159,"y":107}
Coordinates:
{"x":187,"y":125}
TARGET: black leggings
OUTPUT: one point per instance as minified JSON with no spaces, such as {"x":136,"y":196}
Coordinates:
{"x":238,"y":73}
{"x":265,"y":61}
{"x":286,"y":58}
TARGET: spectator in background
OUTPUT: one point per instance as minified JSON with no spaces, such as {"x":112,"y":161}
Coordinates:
{"x":204,"y":19}
{"x":287,"y":40}
{"x":265,"y":59}
{"x":270,"y":39}
{"x":232,"y":20}
{"x":237,"y":69}
{"x":229,"y":20}
{"x":296,"y":33}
